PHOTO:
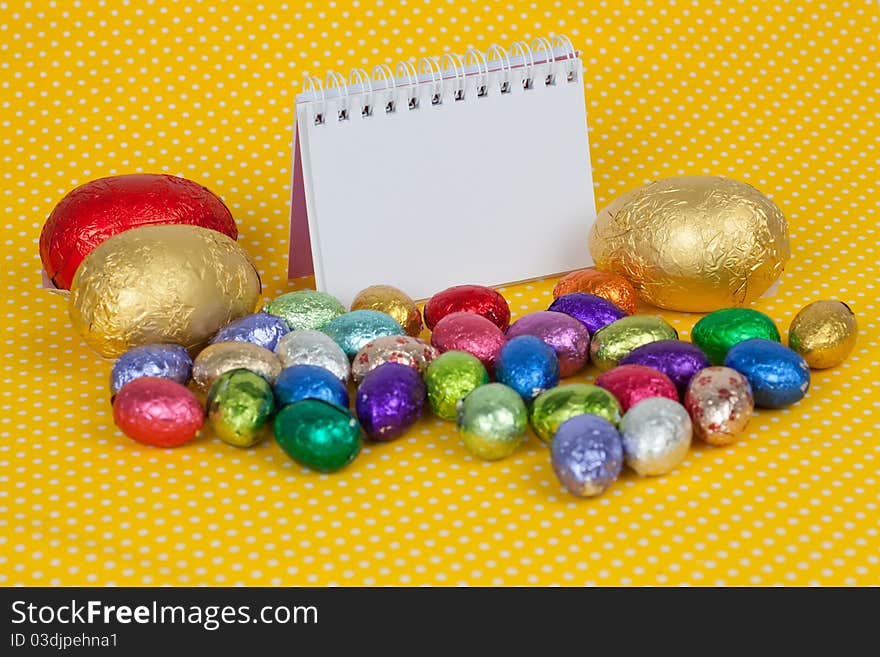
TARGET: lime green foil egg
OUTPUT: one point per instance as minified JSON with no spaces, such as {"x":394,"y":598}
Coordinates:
{"x":305,"y":309}
{"x":555,"y":406}
{"x":317,"y":434}
{"x":718,"y":331}
{"x":613,"y":342}
{"x":240,"y":405}
{"x":492,"y":421}
{"x":450,"y":377}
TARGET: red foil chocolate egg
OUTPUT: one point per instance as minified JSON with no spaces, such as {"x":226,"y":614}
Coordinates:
{"x":102,"y":208}
{"x":630,"y":384}
{"x":474,"y":334}
{"x":158,"y":412}
{"x":476,"y":299}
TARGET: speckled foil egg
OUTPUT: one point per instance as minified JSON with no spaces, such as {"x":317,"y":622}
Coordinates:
{"x":450,"y":377}
{"x":240,"y":407}
{"x":656,"y":435}
{"x":586,"y":455}
{"x":590,"y":310}
{"x":476,"y":299}
{"x":695,"y":243}
{"x":678,"y":360}
{"x":612,"y":287}
{"x":555,"y":406}
{"x":310,"y":347}
{"x":717,"y":332}
{"x":261,"y":329}
{"x":616,"y":340}
{"x":492,"y":421}
{"x":630,"y":384}
{"x":528,"y":365}
{"x":173,"y":283}
{"x":823,"y":333}
{"x":778,"y":376}
{"x":317,"y":434}
{"x":309,"y":382}
{"x":388,"y":299}
{"x":222,"y":357}
{"x":390,"y":400}
{"x":168,"y":361}
{"x":305,"y":309}
{"x":463,"y":331}
{"x":566,"y":335}
{"x":401,"y":349}
{"x":354,"y":330}
{"x":158,"y":412}
{"x":720,"y":404}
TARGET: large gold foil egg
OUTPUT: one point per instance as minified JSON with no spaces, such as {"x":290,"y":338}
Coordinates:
{"x":169,"y":283}
{"x":696,"y":243}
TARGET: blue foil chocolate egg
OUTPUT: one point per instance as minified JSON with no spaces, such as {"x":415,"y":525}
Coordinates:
{"x":591,"y":311}
{"x":390,"y":400}
{"x":261,"y":329}
{"x":778,"y":375}
{"x":586,"y":454}
{"x":528,"y":365}
{"x":354,"y":330}
{"x":309,"y":382}
{"x":168,"y":361}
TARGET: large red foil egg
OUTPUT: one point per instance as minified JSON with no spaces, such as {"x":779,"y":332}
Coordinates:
{"x":476,"y":299}
{"x":102,"y":208}
{"x":158,"y":412}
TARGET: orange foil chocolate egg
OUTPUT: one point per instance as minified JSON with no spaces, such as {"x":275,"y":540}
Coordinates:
{"x":610,"y":287}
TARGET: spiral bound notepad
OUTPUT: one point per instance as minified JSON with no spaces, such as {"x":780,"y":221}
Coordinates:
{"x":457,"y":169}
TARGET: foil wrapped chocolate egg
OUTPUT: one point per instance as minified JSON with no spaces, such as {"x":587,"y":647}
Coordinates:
{"x":305,"y":309}
{"x":586,"y":455}
{"x":97,"y":210}
{"x":611,"y":287}
{"x":630,"y":384}
{"x":309,"y":382}
{"x":157,"y":412}
{"x":390,"y":400}
{"x":261,"y":329}
{"x":552,"y":408}
{"x":317,"y":434}
{"x":464,"y":331}
{"x":401,"y":349}
{"x":591,"y":311}
{"x":778,"y":376}
{"x":823,"y":333}
{"x":476,"y":299}
{"x":172,"y":283}
{"x":354,"y":330}
{"x":720,"y":403}
{"x":450,"y":377}
{"x":528,"y":365}
{"x":566,"y":335}
{"x":696,"y":243}
{"x":168,"y":361}
{"x":310,"y":347}
{"x":388,"y":299}
{"x":240,"y":406}
{"x":678,"y":360}
{"x":492,"y":421}
{"x":656,"y":435}
{"x":717,"y":332}
{"x":616,"y":340}
{"x":222,"y":357}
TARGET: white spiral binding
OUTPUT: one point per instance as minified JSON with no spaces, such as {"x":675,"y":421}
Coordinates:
{"x":449,"y":76}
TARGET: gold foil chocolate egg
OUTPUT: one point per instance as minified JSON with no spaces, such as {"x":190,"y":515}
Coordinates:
{"x":388,"y":299}
{"x":167,"y":283}
{"x":695,"y":243}
{"x":824,"y":333}
{"x":222,"y":357}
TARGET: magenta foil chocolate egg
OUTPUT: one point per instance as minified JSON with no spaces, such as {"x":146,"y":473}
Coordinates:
{"x":568,"y":337}
{"x":630,"y":384}
{"x":392,"y":349}
{"x":463,"y":331}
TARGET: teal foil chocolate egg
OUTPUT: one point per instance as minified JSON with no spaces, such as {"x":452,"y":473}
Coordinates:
{"x":717,"y":332}
{"x":240,"y":406}
{"x":555,"y":406}
{"x":354,"y":330}
{"x":492,"y":421}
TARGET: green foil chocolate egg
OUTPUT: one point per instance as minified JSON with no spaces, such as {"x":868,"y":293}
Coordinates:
{"x":718,"y":331}
{"x":492,"y":421}
{"x":240,"y":405}
{"x":613,"y":342}
{"x":305,"y":309}
{"x":450,"y":377}
{"x":319,"y":435}
{"x":555,"y":406}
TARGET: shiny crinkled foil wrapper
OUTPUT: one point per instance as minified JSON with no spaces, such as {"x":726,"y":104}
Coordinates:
{"x":695,"y":244}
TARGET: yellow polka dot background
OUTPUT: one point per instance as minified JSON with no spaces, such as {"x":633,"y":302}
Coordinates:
{"x":783,"y":95}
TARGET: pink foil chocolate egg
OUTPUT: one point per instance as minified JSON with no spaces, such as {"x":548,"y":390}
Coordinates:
{"x":630,"y":384}
{"x":464,"y":331}
{"x":476,"y":299}
{"x":568,"y":337}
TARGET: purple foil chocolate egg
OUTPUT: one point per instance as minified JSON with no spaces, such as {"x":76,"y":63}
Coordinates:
{"x":390,"y":400}
{"x":591,"y":311}
{"x":568,"y":337}
{"x":678,"y":360}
